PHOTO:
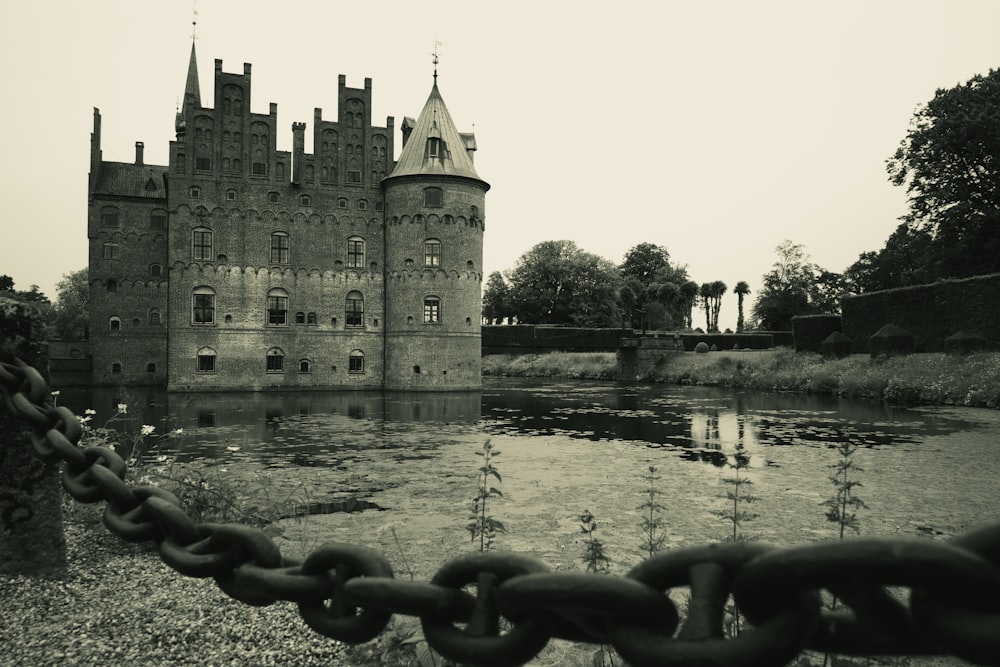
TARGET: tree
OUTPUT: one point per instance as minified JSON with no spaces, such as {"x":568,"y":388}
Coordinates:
{"x":34,"y":295}
{"x":558,"y":283}
{"x":711,"y":299}
{"x":496,"y":297}
{"x":908,"y":258}
{"x":794,"y":286}
{"x":71,"y":311}
{"x":950,"y":165}
{"x":689,"y":294}
{"x":655,"y":284}
{"x":741,"y":290}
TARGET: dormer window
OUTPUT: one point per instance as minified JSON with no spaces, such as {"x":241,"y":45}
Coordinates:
{"x":433,"y":147}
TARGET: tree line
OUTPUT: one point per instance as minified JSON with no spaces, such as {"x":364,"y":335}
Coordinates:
{"x":949,"y":163}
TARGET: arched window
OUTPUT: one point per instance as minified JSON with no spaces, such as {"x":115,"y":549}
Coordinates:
{"x":356,"y":252}
{"x":300,"y":317}
{"x":155,"y":270}
{"x":311,"y":318}
{"x":203,"y":305}
{"x":354,"y":309}
{"x":194,"y":191}
{"x":109,"y":216}
{"x":201,"y":243}
{"x":432,"y":310}
{"x":275,"y":360}
{"x":273,"y":197}
{"x":342,"y":202}
{"x":362,"y":204}
{"x":305,"y":366}
{"x":154,"y":316}
{"x":433,"y":198}
{"x":277,"y":307}
{"x":206,"y":360}
{"x":305,"y":200}
{"x":112,"y":285}
{"x":151,"y":367}
{"x":114,"y":323}
{"x":356,"y":362}
{"x":432,"y":252}
{"x":279,"y":248}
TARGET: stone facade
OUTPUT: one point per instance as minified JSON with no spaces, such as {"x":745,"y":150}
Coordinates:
{"x":242,"y":267}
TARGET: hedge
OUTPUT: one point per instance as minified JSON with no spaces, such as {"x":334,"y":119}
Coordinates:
{"x":931,"y":312}
{"x":811,"y":330}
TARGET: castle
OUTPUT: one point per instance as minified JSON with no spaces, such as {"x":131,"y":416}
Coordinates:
{"x":241,"y":267}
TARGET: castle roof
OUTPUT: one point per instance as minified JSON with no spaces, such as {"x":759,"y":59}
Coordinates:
{"x":124,"y":179}
{"x":451,"y":154}
{"x":192,"y":90}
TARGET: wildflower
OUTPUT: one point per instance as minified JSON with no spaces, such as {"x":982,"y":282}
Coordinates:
{"x":161,"y":458}
{"x":232,"y":448}
{"x":90,"y":412}
{"x":146,"y":430}
{"x":177,"y":431}
{"x":123,"y":408}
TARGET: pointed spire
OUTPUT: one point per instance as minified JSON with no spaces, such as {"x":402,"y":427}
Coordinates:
{"x":192,"y":91}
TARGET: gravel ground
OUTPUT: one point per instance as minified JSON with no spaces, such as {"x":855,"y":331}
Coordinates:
{"x":120,"y":605}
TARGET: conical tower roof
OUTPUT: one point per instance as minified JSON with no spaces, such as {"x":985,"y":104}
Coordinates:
{"x":192,"y":91}
{"x":452,"y":157}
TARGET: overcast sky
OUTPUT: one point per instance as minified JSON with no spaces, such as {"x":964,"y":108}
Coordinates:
{"x":714,"y":129}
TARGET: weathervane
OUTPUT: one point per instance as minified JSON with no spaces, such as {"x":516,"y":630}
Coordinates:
{"x":194,"y":21}
{"x":436,"y":60}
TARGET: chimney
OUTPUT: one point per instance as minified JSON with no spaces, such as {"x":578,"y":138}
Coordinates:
{"x":298,"y":152}
{"x":138,"y":153}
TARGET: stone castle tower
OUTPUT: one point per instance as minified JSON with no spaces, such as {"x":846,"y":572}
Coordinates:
{"x":239,"y":266}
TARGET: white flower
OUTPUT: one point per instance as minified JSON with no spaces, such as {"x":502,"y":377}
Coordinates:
{"x":122,"y":408}
{"x":146,"y":430}
{"x":88,"y":411}
{"x":161,"y":458}
{"x":177,"y":431}
{"x":232,"y":448}
{"x":55,"y":393}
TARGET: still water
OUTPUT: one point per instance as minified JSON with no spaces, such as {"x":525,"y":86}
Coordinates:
{"x":573,"y":444}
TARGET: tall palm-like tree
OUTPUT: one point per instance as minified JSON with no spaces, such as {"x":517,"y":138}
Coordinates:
{"x":741,"y":290}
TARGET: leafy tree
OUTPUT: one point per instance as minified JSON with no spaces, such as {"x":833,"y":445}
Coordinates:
{"x":741,"y":290}
{"x":795,"y":286}
{"x":908,"y":258}
{"x":655,"y":286}
{"x":689,"y":294}
{"x":34,"y":295}
{"x":71,"y":310}
{"x":558,"y":283}
{"x":496,"y":297}
{"x":950,"y":165}
{"x":711,"y":299}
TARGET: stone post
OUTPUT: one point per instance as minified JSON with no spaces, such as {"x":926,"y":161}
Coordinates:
{"x":31,"y":528}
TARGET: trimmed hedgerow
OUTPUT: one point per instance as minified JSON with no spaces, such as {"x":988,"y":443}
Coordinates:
{"x":811,"y":330}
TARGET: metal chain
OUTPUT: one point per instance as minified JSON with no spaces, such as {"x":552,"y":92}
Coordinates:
{"x":348,"y":592}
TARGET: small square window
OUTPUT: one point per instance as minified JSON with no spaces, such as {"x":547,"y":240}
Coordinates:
{"x":230,"y":195}
{"x":158,"y":220}
{"x":353,"y":176}
{"x":273,"y":197}
{"x":203,"y":163}
{"x":258,"y":169}
{"x":206,"y":363}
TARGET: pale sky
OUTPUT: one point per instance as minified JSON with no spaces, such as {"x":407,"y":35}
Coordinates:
{"x":714,"y":129}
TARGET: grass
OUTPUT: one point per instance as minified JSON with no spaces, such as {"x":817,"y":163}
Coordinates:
{"x":932,"y":378}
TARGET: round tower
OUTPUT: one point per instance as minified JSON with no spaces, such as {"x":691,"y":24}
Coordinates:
{"x":434,"y":224}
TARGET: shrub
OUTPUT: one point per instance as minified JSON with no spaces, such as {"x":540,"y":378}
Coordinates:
{"x":701,"y":347}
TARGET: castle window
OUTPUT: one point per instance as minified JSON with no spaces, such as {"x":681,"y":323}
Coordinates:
{"x":116,"y":368}
{"x":194,"y":191}
{"x":356,"y":362}
{"x":237,"y":163}
{"x":150,"y":367}
{"x":356,"y":252}
{"x":311,"y":318}
{"x":203,"y":305}
{"x":362,"y":204}
{"x":258,"y":169}
{"x":432,"y":310}
{"x":310,"y":173}
{"x":154,"y":316}
{"x":180,"y":163}
{"x":206,"y":360}
{"x":300,"y":317}
{"x":201,"y":243}
{"x":277,"y":307}
{"x":112,"y":285}
{"x":353,"y":176}
{"x":305,"y":200}
{"x":230,"y":195}
{"x":109,"y":251}
{"x":275,"y":360}
{"x":114,"y":323}
{"x":203,"y":163}
{"x":342,"y":203}
{"x":136,"y":322}
{"x":379,"y":206}
{"x":433,"y":197}
{"x":109,"y":216}
{"x":432,"y":252}
{"x":433,"y":146}
{"x":354,"y":309}
{"x":281,"y":170}
{"x":305,"y":366}
{"x":158,"y":220}
{"x":279,"y":248}
{"x":273,"y":197}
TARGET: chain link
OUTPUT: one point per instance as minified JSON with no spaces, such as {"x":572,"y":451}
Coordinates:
{"x":348,"y":592}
